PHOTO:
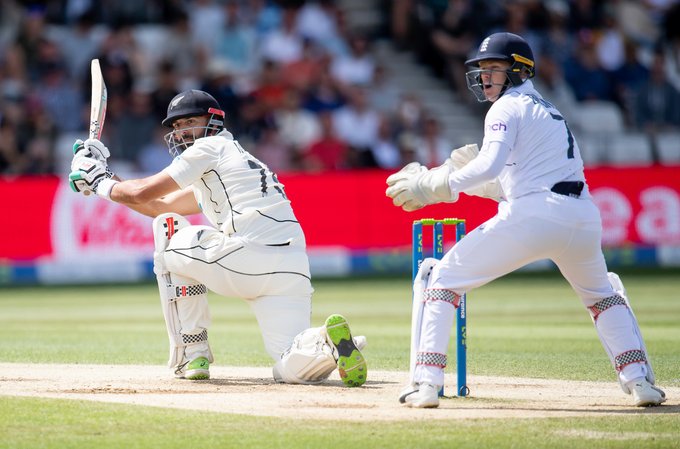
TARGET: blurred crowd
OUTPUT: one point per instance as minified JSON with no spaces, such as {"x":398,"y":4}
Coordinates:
{"x":303,"y":90}
{"x":620,"y":52}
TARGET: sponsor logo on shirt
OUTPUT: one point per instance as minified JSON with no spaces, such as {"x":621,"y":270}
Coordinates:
{"x":498,"y":126}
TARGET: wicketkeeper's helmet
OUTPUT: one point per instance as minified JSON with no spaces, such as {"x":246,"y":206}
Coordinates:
{"x":505,"y":47}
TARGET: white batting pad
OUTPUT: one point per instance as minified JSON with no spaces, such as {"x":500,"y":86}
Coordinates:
{"x":620,"y":335}
{"x":184,"y":301}
{"x":419,"y":286}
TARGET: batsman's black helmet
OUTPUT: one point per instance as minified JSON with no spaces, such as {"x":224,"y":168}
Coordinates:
{"x":506,"y":47}
{"x":192,"y":103}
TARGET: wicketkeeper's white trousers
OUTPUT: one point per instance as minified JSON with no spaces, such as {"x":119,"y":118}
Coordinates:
{"x":535,"y":227}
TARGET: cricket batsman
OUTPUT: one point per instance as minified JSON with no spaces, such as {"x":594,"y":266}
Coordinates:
{"x":253,"y":249}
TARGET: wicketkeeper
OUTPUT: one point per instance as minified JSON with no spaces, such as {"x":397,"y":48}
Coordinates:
{"x":530,"y":163}
{"x":254,"y":249}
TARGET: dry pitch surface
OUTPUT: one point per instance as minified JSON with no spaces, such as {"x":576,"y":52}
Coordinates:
{"x":252,"y":391}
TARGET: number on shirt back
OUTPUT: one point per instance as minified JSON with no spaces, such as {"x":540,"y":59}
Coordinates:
{"x":264,"y":172}
{"x":254,"y":164}
{"x":570,"y":137}
{"x":546,"y":104}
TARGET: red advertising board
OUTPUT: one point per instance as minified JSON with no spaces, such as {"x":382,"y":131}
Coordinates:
{"x":42,"y":218}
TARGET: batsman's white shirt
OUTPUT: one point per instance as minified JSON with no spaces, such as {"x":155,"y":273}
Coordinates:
{"x":256,"y":248}
{"x":237,"y":193}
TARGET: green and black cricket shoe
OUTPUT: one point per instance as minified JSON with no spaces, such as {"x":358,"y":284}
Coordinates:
{"x":351,"y":363}
{"x":198,"y":369}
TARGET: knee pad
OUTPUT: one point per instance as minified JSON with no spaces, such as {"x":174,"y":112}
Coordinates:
{"x":184,"y":301}
{"x":309,"y":360}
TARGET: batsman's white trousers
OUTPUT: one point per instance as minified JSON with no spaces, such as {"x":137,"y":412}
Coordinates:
{"x":275,"y":280}
{"x":539,"y":226}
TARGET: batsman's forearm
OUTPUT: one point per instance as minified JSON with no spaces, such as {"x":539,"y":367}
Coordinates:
{"x":152,"y":198}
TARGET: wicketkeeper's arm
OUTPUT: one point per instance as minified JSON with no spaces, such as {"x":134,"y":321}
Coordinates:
{"x":478,"y":175}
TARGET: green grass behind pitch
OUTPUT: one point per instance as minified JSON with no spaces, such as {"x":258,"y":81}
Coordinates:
{"x":523,"y":325}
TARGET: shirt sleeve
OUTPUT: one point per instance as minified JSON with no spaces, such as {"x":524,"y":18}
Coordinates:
{"x":190,"y":166}
{"x":482,"y":169}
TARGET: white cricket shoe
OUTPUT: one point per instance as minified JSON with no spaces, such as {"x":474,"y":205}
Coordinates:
{"x":645,"y":394}
{"x":420,"y":396}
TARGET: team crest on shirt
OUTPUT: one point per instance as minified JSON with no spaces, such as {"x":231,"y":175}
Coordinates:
{"x":496,"y":127}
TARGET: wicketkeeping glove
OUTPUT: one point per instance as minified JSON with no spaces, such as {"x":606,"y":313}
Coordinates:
{"x":88,"y":174}
{"x":91,"y":148}
{"x":414,"y":187}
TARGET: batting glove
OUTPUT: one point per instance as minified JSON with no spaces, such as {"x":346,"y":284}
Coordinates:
{"x":91,"y":148}
{"x":89,"y":175}
{"x":414,"y":187}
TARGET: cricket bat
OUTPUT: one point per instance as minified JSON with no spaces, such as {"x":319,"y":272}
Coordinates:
{"x":98,"y":102}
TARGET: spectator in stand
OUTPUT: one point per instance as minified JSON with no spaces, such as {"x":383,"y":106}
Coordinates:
{"x":609,"y":44}
{"x":270,"y":91}
{"x":452,"y":36}
{"x":587,"y":78}
{"x":385,"y":151}
{"x":263,"y":15}
{"x":516,"y":16}
{"x":432,"y":148}
{"x":154,"y":156}
{"x":236,"y":41}
{"x":80,"y":43}
{"x":324,"y":94}
{"x":57,"y":93}
{"x":11,"y":158}
{"x":657,"y":102}
{"x":304,"y":72}
{"x":272,"y":150}
{"x":39,"y":158}
{"x":179,"y":47}
{"x":14,"y":83}
{"x":670,"y":46}
{"x":298,"y":127}
{"x":165,"y":89}
{"x":554,"y":88}
{"x":121,"y":45}
{"x":11,"y":17}
{"x":585,"y":15}
{"x":357,"y":124}
{"x":136,"y":127}
{"x":318,"y":21}
{"x":358,"y":66}
{"x":410,"y":114}
{"x":206,"y":20}
{"x":327,"y":152}
{"x":628,"y":79}
{"x":284,"y":44}
{"x":219,"y":81}
{"x":30,"y":38}
{"x":384,"y":93}
{"x":558,"y":41}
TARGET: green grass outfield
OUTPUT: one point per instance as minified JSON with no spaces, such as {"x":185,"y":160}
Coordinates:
{"x":523,"y":325}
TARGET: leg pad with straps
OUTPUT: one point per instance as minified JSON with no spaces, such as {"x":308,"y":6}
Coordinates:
{"x":620,"y":335}
{"x":183,"y":300}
